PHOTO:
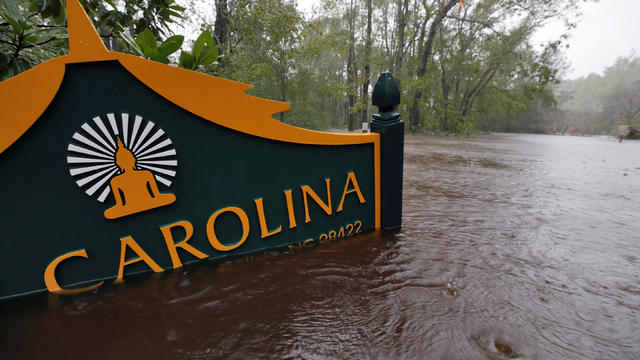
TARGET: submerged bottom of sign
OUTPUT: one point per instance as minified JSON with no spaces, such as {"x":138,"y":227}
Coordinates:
{"x":327,"y":238}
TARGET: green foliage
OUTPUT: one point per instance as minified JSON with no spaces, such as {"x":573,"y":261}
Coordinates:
{"x":203,"y":53}
{"x":30,"y":32}
{"x":133,"y":16}
{"x":34,"y":31}
{"x":480,"y":71}
{"x":485,"y":73}
{"x":146,"y":45}
{"x":262,"y":46}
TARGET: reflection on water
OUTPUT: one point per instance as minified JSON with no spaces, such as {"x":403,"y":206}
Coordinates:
{"x":512,"y":246}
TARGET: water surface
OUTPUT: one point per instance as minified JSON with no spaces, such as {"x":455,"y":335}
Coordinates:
{"x":512,"y":246}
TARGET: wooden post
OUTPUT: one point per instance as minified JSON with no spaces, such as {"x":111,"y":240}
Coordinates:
{"x":386,"y":122}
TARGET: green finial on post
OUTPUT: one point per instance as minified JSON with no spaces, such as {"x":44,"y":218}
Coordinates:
{"x":387,"y":123}
{"x":386,"y":96}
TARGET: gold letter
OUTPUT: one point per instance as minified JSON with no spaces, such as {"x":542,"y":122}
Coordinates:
{"x":171,"y":244}
{"x":263,"y":221}
{"x":143,"y":256}
{"x":211,"y":232}
{"x":351,"y":177}
{"x":292,"y":216}
{"x":326,"y":207}
{"x":50,"y":274}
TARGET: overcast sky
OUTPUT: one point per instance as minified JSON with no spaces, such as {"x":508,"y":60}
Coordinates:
{"x":607,"y":29}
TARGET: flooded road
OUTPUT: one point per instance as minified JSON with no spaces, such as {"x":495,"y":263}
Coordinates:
{"x":512,"y":246}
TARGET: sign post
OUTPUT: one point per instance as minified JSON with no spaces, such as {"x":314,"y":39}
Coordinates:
{"x":387,"y":123}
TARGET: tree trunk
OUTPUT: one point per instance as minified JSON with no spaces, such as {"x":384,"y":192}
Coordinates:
{"x":446,"y":88}
{"x":401,"y":24}
{"x":367,"y":66}
{"x":351,"y":96}
{"x":351,"y":69}
{"x":469,"y":95}
{"x":414,"y":113}
{"x":282,"y":84}
{"x":222,"y":21}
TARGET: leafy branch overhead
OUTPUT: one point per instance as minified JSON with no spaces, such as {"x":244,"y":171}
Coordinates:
{"x":30,"y":32}
{"x":146,"y":45}
{"x":203,"y":53}
{"x":35,"y":30}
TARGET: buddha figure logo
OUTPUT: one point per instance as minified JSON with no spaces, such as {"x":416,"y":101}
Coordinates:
{"x":128,"y":164}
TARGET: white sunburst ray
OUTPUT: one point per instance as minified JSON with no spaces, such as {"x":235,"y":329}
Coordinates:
{"x":104,"y":194}
{"x":159,"y":162}
{"x":160,"y":145}
{"x":100,"y":183}
{"x":84,"y":140}
{"x":159,"y":170}
{"x":147,"y":143}
{"x":113,"y":123}
{"x":156,"y":171}
{"x":134,"y":132}
{"x":165,"y":182}
{"x":171,"y":152}
{"x":80,"y":160}
{"x":104,"y":130}
{"x":145,"y":162}
{"x":81,"y":150}
{"x":84,"y":181}
{"x":85,"y":169}
{"x":86,"y":127}
{"x":145,"y":132}
{"x":125,"y":127}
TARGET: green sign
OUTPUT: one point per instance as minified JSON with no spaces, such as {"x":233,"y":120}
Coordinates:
{"x":112,"y":165}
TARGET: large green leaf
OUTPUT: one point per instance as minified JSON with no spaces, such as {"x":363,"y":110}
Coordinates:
{"x":160,"y":58}
{"x":186,"y":60}
{"x":49,"y":10}
{"x":170,"y":45}
{"x":198,"y":46}
{"x":175,"y":14}
{"x":131,"y":43}
{"x":111,"y":3}
{"x":147,"y":43}
{"x":15,"y":24}
{"x":205,"y":39}
{"x":56,"y":8}
{"x":208,"y":56}
{"x":61,"y":17}
{"x":40,"y":5}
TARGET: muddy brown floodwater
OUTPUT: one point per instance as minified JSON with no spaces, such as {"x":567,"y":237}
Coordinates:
{"x":512,"y":246}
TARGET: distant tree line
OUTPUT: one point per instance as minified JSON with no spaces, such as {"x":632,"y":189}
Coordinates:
{"x":462,"y":66}
{"x":594,"y":104}
{"x":598,"y":104}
